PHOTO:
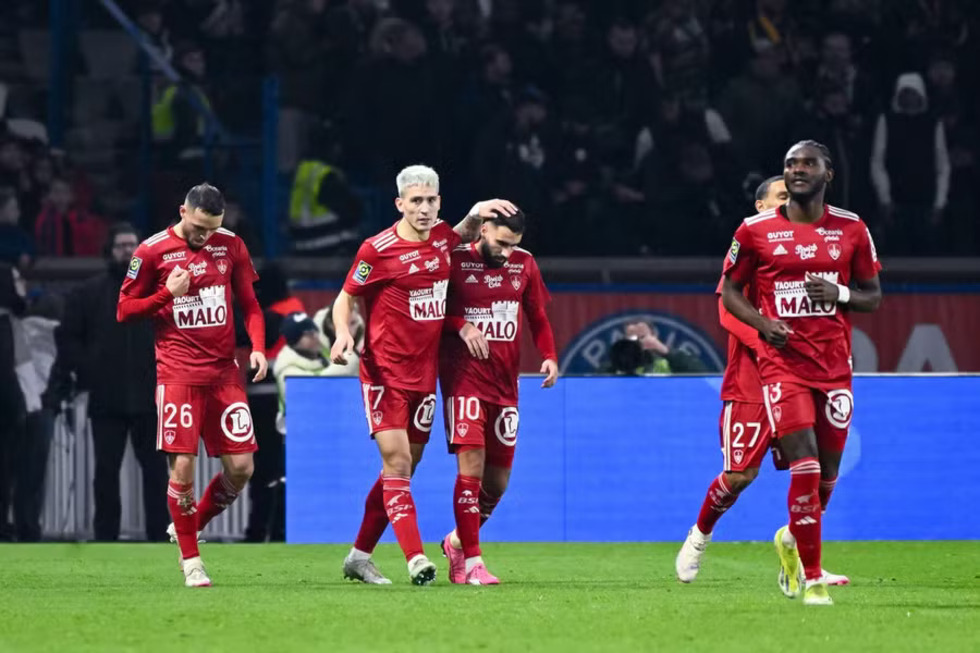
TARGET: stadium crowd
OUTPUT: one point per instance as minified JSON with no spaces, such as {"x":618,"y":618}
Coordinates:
{"x":646,"y":124}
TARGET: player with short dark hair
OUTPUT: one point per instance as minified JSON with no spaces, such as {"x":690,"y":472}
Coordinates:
{"x":184,"y":278}
{"x":493,"y":283}
{"x":402,"y":275}
{"x":801,"y":259}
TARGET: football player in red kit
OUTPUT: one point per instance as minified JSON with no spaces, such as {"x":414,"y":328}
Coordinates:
{"x":184,"y":279}
{"x":744,"y":428}
{"x":492,"y":285}
{"x":402,"y":275}
{"x":801,"y":260}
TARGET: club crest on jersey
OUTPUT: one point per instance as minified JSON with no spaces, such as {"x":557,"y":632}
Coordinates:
{"x":376,"y":417}
{"x":134,"y":267}
{"x":362,"y":271}
{"x":197,"y":269}
{"x":516,"y":282}
{"x":222,"y":265}
{"x":169,"y":436}
{"x":462,"y":429}
{"x":834,"y":250}
{"x":738,"y":454}
{"x":777,"y":413}
{"x":733,"y":252}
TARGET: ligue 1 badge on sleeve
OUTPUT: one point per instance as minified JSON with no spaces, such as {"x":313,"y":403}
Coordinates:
{"x":362,"y":271}
{"x":733,"y":252}
{"x":134,"y":267}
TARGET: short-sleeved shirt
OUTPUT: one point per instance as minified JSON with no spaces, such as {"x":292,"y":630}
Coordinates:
{"x":404,"y":287}
{"x":491,"y":299}
{"x":195,"y":333}
{"x":774,"y":255}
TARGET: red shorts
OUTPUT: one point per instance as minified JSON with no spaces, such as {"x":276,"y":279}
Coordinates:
{"x":467,"y":422}
{"x":793,"y":407}
{"x":389,"y":409}
{"x":745,"y":435}
{"x":217,"y":413}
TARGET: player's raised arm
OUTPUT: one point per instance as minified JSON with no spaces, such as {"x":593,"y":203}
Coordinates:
{"x":137,"y":297}
{"x":468,"y":228}
{"x":243,"y":276}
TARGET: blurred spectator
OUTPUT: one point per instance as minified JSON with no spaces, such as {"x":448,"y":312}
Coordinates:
{"x":16,"y":244}
{"x":758,"y":107}
{"x":679,"y":51}
{"x":831,"y":122}
{"x":241,"y":225}
{"x":771,"y":28}
{"x":36,"y":360}
{"x":12,"y":406}
{"x":302,"y":355}
{"x":910,"y":169}
{"x":324,"y":212}
{"x":625,"y":86}
{"x":179,"y":122}
{"x":115,"y":363}
{"x":62,"y":229}
{"x":513,"y":156}
{"x":324,"y":321}
{"x":391,"y":120}
{"x":299,"y":55}
{"x":149,"y":18}
{"x":960,"y":230}
{"x":14,"y":171}
{"x":838,"y":70}
{"x":692,"y":212}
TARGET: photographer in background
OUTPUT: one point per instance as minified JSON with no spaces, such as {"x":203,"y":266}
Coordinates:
{"x":115,"y":363}
{"x":642,"y":352}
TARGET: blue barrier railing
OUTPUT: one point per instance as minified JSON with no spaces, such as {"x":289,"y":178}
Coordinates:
{"x":629,"y":459}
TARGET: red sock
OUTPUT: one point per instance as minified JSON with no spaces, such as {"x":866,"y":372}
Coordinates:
{"x":375,"y":519}
{"x":219,"y":495}
{"x":719,"y":499}
{"x":180,"y":500}
{"x":804,"y":512}
{"x":466,"y":508}
{"x":487,"y":503}
{"x":401,"y":513}
{"x":826,"y":489}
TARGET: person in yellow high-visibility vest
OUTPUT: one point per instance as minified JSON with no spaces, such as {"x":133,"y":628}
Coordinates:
{"x":324,"y":213}
{"x":177,"y":122}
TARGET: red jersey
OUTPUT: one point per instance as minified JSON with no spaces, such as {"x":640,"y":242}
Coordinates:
{"x":492,"y":299}
{"x":195,"y":333}
{"x":774,"y":255}
{"x":403,"y":284}
{"x":741,"y":381}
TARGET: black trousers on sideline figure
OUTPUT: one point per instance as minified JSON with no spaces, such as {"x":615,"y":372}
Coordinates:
{"x":109,"y":434}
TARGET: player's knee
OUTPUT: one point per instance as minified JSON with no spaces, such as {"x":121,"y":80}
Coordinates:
{"x":182,"y":469}
{"x":399,"y":463}
{"x":471,"y":462}
{"x":800,"y":444}
{"x":240,"y":470}
{"x":738,"y":481}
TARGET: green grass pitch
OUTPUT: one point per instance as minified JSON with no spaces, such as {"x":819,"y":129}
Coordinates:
{"x":904,"y":596}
